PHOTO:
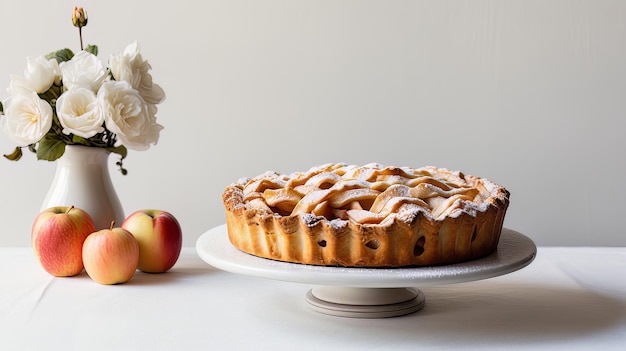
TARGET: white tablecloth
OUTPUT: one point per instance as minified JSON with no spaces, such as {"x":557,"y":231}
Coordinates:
{"x":567,"y":299}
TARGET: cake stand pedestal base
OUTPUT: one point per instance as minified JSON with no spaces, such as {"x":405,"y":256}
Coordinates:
{"x":365,"y":302}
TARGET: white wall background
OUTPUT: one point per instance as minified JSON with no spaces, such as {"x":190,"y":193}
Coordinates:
{"x":530,"y":94}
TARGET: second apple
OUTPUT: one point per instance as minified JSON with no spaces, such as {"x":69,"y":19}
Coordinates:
{"x":159,"y":236}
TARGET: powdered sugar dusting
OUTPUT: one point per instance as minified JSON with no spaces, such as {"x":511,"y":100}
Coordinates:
{"x":311,"y":219}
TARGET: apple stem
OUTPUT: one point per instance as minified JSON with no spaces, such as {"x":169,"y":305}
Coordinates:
{"x":112,"y":224}
{"x":69,"y":209}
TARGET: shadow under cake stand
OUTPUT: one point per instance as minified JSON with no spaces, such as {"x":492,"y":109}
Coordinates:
{"x":366,"y":292}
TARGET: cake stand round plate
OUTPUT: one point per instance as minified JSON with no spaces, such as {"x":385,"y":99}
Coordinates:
{"x":366,"y":292}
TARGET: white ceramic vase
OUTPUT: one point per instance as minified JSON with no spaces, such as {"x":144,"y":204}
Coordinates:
{"x":82,"y":179}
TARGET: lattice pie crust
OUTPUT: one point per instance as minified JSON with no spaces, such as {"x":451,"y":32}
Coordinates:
{"x":366,"y":216}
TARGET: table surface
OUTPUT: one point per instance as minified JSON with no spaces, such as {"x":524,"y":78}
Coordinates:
{"x":569,"y":298}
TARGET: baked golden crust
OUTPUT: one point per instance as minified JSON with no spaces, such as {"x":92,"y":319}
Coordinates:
{"x":366,"y":216}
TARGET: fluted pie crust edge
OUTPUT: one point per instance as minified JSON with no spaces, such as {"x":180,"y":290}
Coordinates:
{"x":417,"y":240}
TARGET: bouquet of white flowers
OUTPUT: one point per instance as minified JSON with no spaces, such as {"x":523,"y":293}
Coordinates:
{"x":73,"y":99}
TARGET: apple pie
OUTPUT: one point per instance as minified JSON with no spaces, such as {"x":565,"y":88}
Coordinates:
{"x":366,"y":216}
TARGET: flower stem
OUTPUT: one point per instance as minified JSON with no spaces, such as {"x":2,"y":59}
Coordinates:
{"x":80,"y":35}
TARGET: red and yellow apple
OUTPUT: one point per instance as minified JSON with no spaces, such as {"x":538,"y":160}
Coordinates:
{"x":57,"y":237}
{"x":111,"y":255}
{"x":159,"y":236}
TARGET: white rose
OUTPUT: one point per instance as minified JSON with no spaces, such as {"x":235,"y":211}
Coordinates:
{"x":27,"y":118}
{"x":131,"y":67}
{"x":39,"y":75}
{"x":84,"y":70}
{"x":127,"y":115}
{"x":76,"y":109}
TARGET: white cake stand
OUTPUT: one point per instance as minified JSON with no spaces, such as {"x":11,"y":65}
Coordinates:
{"x":366,"y":292}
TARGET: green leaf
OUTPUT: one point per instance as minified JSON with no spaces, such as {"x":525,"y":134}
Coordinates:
{"x":120,"y":150}
{"x":92,"y":49}
{"x":50,"y":148}
{"x":79,"y":140}
{"x":61,"y":55}
{"x":16,"y":155}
